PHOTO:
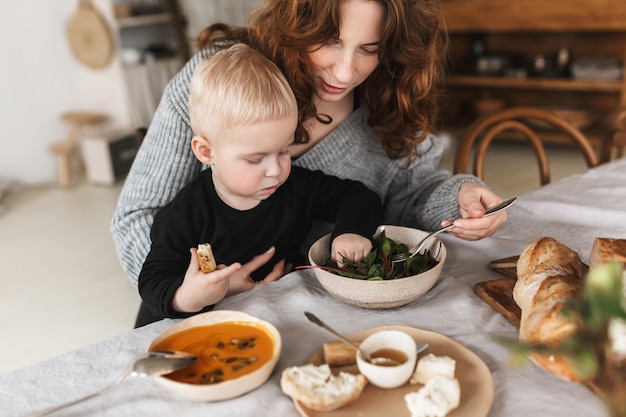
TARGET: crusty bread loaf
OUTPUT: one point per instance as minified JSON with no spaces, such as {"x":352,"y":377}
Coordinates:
{"x":206,"y":258}
{"x":606,"y":250}
{"x":316,"y":388}
{"x":548,"y":273}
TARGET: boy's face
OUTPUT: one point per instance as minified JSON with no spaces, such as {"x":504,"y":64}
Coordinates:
{"x":250,"y":162}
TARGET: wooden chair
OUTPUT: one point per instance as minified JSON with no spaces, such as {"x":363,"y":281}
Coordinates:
{"x":619,"y":137}
{"x":485,"y":129}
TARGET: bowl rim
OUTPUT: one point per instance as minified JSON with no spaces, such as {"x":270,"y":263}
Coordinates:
{"x":232,"y":387}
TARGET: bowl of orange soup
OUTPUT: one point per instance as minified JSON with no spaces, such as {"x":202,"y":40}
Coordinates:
{"x":236,"y":353}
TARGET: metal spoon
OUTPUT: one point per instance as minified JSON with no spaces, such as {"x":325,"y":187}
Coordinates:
{"x":401,"y":257}
{"x":376,"y":361}
{"x":149,"y":364}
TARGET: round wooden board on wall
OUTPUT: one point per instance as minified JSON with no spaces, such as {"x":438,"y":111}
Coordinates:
{"x":89,"y":36}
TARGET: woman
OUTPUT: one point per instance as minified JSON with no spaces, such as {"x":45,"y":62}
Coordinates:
{"x":365,"y":76}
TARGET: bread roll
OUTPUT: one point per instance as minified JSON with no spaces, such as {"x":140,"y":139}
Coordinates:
{"x":440,"y":395}
{"x":206,"y":258}
{"x":548,"y":273}
{"x":432,"y":365}
{"x":318,"y":389}
{"x":606,"y":250}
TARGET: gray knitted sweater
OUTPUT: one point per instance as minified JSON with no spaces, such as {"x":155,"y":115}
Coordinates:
{"x":419,"y":195}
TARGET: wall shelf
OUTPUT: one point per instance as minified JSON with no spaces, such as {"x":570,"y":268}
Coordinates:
{"x":519,"y":30}
{"x":534,"y":15}
{"x":154,"y":47}
{"x":149,"y":19}
{"x":535,"y":83}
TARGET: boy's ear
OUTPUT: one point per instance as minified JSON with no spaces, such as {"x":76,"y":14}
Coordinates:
{"x":202,"y":149}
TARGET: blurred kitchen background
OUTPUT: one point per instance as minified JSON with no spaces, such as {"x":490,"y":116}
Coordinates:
{"x":82,"y":75}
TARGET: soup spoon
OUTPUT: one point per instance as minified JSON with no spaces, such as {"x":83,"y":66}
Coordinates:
{"x":376,"y":361}
{"x":150,"y":364}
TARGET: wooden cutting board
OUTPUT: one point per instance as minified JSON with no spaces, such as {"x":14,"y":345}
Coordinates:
{"x":89,"y":36}
{"x":498,"y":293}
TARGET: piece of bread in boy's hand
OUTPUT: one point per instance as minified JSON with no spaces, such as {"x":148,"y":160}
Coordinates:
{"x":205,"y":256}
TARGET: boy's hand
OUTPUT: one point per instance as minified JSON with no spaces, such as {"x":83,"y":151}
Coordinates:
{"x":241,"y":281}
{"x":198,"y":289}
{"x":351,"y":246}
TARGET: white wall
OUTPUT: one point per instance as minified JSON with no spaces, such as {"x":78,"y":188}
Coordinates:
{"x":41,"y":79}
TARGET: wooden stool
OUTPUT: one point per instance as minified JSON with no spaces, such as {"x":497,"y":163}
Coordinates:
{"x":67,"y":151}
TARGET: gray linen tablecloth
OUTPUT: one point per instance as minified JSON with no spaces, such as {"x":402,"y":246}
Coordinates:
{"x":575,"y":211}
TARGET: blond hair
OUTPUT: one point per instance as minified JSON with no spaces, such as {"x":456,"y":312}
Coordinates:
{"x":237,"y":86}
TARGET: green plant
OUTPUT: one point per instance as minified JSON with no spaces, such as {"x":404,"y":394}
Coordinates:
{"x":377,"y":266}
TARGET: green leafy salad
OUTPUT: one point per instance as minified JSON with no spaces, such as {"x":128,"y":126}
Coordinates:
{"x":377,"y":266}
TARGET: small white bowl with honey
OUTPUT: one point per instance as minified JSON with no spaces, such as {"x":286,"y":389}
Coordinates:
{"x":399,"y":351}
{"x":236,"y":354}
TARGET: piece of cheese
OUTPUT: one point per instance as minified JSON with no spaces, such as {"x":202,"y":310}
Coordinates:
{"x":437,"y":398}
{"x":431,"y":365}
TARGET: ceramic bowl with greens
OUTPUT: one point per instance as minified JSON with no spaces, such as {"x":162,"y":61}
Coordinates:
{"x":375,"y":283}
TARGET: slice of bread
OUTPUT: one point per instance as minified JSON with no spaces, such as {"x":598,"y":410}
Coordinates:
{"x":206,"y":258}
{"x":316,"y":388}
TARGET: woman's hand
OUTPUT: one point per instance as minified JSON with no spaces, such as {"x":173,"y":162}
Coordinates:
{"x":473,"y":200}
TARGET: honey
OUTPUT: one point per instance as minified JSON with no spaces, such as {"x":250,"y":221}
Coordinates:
{"x":394,"y":356}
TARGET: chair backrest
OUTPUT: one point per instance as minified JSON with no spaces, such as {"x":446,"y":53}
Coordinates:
{"x":523,"y":120}
{"x":619,"y":137}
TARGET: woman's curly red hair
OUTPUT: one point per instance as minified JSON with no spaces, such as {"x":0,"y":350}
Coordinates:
{"x":402,"y":93}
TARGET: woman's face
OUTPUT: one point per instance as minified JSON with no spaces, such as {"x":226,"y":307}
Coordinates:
{"x":342,"y":64}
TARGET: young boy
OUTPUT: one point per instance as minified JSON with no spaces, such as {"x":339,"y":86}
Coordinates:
{"x":250,"y":200}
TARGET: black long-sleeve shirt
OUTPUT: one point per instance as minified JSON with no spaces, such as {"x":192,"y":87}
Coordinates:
{"x":197,"y":215}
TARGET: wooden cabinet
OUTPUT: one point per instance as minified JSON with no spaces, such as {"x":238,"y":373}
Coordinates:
{"x":153,"y":47}
{"x":514,"y":35}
